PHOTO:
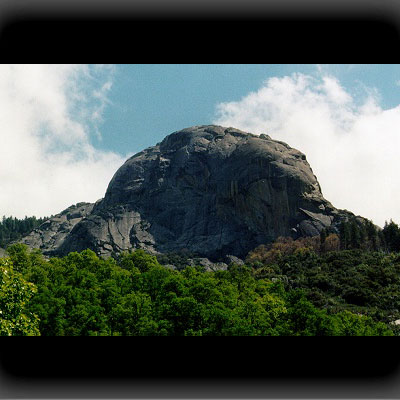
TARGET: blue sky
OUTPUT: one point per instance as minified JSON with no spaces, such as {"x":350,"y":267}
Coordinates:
{"x":66,"y":129}
{"x":150,"y":101}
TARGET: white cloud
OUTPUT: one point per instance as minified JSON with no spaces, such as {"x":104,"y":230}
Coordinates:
{"x":47,"y":115}
{"x":353,"y":148}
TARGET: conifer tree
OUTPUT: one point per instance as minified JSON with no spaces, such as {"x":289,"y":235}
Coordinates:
{"x":345,"y":234}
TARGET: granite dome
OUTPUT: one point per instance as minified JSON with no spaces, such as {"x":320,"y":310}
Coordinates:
{"x":207,"y":189}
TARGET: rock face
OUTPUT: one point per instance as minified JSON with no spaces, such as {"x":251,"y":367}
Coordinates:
{"x":208,"y":189}
{"x":49,"y":236}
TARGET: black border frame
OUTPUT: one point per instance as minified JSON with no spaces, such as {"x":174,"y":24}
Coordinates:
{"x":251,"y":31}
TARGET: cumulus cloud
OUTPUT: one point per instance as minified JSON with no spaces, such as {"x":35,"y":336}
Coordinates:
{"x":48,"y":115}
{"x":351,"y":145}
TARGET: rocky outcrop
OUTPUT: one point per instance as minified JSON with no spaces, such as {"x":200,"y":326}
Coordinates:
{"x":210,"y":190}
{"x":50,"y":235}
{"x":207,"y":264}
{"x":232,"y":260}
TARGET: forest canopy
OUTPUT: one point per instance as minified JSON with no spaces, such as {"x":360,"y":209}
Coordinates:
{"x":344,"y":284}
{"x":82,"y":294}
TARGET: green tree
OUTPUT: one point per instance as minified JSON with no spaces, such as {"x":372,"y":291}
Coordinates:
{"x":355,"y":235}
{"x":391,"y":233}
{"x":372,"y":235}
{"x":12,"y":229}
{"x":345,"y":234}
{"x":322,"y":237}
{"x":138,"y":259}
{"x":15,"y":293}
{"x":348,"y":324}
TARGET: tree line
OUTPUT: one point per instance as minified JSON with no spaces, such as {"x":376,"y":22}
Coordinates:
{"x":358,"y":233}
{"x":13,"y":229}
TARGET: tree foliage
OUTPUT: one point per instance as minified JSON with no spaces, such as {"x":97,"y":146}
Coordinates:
{"x":391,"y":235}
{"x":82,"y":294}
{"x":15,"y":293}
{"x":12,"y":229}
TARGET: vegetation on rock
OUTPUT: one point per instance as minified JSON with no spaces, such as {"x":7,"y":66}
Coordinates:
{"x":13,"y":229}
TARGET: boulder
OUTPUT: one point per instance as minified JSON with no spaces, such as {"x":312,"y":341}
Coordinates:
{"x":207,"y":264}
{"x":230,"y":259}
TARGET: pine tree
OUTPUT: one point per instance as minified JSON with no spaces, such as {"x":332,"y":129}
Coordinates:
{"x":344,"y":232}
{"x":355,"y":235}
{"x":391,"y":233}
